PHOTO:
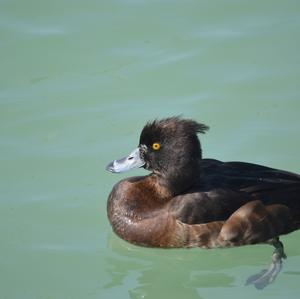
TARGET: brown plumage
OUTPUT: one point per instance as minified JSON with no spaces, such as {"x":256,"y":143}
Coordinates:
{"x":188,"y":201}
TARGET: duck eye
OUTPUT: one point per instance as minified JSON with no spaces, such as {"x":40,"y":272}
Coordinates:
{"x":156,"y":146}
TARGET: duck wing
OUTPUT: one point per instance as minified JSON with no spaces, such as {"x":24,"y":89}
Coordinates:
{"x":226,"y":186}
{"x":260,"y":182}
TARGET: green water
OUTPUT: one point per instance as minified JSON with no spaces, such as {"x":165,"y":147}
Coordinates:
{"x":78,"y":80}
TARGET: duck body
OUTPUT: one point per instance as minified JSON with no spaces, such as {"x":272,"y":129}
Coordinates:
{"x":187,"y":201}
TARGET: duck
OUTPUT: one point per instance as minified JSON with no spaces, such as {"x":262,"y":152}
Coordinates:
{"x":189,"y":201}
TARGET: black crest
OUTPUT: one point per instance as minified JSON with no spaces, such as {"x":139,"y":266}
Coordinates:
{"x":171,"y":127}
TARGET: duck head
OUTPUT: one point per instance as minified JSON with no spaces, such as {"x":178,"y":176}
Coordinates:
{"x":170,"y":149}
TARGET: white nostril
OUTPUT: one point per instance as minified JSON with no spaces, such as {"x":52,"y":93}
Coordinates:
{"x":130,"y":158}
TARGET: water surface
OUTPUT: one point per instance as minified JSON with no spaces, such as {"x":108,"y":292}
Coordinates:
{"x":79,"y":79}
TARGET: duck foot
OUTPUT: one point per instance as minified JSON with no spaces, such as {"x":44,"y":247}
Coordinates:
{"x":267,"y":276}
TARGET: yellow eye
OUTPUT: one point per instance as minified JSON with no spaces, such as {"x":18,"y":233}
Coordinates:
{"x":156,"y":146}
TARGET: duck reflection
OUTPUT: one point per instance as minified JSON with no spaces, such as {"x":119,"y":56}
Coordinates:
{"x":158,"y":273}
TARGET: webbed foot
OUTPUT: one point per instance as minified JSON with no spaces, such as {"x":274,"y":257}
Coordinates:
{"x":267,"y":276}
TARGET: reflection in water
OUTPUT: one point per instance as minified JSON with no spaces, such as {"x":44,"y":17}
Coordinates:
{"x":155,"y":273}
{"x":189,"y":273}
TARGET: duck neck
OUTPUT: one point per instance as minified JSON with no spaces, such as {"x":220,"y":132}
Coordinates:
{"x":181,"y":179}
